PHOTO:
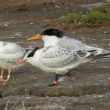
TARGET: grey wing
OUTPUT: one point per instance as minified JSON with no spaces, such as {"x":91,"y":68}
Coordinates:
{"x":57,"y":57}
{"x":76,"y":44}
{"x":71,"y":43}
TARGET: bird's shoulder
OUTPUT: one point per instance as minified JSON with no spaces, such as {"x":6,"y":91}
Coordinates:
{"x":71,"y":43}
{"x":61,"y":51}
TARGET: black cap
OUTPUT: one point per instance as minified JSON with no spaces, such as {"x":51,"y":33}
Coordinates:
{"x":54,"y":32}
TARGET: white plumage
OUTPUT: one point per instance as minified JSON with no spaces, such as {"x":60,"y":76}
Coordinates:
{"x":61,"y":54}
{"x":61,"y":58}
{"x":10,"y":53}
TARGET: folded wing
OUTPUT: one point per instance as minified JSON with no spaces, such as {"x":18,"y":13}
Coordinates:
{"x":57,"y":57}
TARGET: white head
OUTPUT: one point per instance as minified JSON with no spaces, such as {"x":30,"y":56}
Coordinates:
{"x":49,"y":36}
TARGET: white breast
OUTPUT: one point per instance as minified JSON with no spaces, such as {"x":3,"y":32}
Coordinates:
{"x":10,"y":53}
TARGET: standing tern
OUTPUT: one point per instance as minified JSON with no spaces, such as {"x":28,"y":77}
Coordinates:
{"x":10,"y":53}
{"x":61,"y":53}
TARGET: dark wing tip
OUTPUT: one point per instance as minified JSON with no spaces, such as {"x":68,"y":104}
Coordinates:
{"x":33,"y":52}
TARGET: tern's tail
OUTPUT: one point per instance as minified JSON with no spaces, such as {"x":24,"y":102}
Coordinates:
{"x":103,"y":54}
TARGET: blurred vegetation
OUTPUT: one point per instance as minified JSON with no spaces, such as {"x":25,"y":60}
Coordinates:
{"x":74,"y":17}
{"x":90,"y":19}
{"x":96,"y":17}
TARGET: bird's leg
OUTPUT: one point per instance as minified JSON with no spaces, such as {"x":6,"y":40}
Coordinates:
{"x":9,"y":73}
{"x":55,"y":82}
{"x":1,"y":76}
{"x":62,"y":77}
{"x":2,"y":80}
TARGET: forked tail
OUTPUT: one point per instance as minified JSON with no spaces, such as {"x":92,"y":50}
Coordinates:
{"x":103,"y":54}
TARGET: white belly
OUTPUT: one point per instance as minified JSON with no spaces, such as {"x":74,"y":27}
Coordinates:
{"x":59,"y":70}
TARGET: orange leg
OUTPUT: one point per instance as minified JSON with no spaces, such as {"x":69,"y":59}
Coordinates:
{"x":2,"y":80}
{"x":1,"y":76}
{"x":9,"y":73}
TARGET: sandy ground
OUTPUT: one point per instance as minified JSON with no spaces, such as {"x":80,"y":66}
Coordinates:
{"x":86,"y":89}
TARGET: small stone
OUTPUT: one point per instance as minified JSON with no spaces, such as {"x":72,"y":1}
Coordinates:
{"x":109,"y":78}
{"x":28,"y":97}
{"x":57,"y":6}
{"x":79,"y":23}
{"x":83,"y":38}
{"x":100,"y":96}
{"x":31,"y":23}
{"x":5,"y":25}
{"x":92,"y":108}
{"x":105,"y":32}
{"x":63,"y":24}
{"x":73,"y":32}
{"x":18,"y":34}
{"x":11,"y":37}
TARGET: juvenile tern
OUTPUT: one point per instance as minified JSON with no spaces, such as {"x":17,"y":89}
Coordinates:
{"x":61,"y":53}
{"x":10,"y":53}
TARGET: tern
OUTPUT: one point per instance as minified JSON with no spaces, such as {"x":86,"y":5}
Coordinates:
{"x":10,"y":53}
{"x":61,"y":54}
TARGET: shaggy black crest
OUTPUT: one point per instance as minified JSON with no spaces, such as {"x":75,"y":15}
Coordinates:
{"x":32,"y":52}
{"x":54,"y":32}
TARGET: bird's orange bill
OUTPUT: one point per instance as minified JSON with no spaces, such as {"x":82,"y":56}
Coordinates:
{"x":38,"y":36}
{"x":21,"y":61}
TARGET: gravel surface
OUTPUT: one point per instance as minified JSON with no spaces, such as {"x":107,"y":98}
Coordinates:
{"x":86,"y":89}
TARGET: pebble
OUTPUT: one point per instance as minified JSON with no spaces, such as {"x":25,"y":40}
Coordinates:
{"x":79,"y":23}
{"x":57,"y":6}
{"x":31,"y":23}
{"x":5,"y":25}
{"x":109,"y":78}
{"x":18,"y":34}
{"x":100,"y":96}
{"x":92,"y":108}
{"x":105,"y":32}
{"x":11,"y":37}
{"x":73,"y":32}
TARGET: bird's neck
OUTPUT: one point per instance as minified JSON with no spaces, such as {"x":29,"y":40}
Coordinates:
{"x":35,"y":59}
{"x":50,"y":41}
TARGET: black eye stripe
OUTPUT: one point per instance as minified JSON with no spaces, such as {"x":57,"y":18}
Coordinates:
{"x":54,"y":32}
